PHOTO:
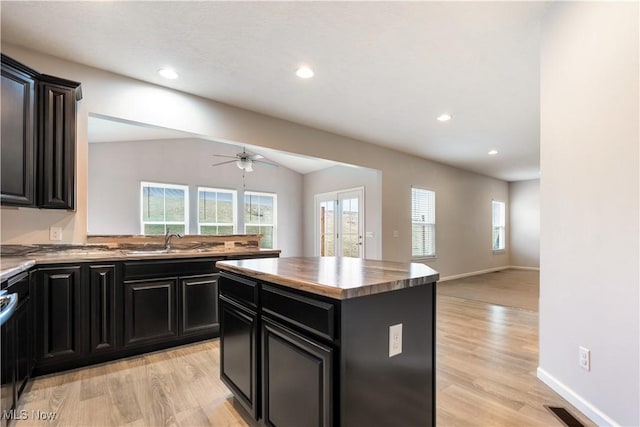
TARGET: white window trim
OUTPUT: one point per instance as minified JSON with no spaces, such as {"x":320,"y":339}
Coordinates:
{"x":275,"y":213}
{"x":234,"y":198}
{"x":433,"y":256}
{"x":504,"y":227}
{"x":185,"y":188}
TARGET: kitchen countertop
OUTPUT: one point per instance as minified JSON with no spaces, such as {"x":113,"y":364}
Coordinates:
{"x":338,"y":278}
{"x":19,"y":261}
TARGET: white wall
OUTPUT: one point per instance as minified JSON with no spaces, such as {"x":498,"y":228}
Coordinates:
{"x":524,"y":214}
{"x":117,"y":168}
{"x":589,"y":196}
{"x":464,"y":240}
{"x":339,"y":178}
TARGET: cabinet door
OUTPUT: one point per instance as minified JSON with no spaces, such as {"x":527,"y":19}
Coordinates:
{"x":57,"y":141}
{"x":58,"y":313}
{"x":18,"y":141}
{"x":149,"y":311}
{"x":199,"y":304}
{"x":297,"y":379}
{"x":102,"y":288}
{"x":238,"y":353}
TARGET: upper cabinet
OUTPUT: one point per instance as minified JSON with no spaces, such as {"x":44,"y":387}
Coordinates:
{"x":18,"y":134}
{"x":38,"y":138}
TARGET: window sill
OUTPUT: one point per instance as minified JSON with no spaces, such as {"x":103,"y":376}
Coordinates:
{"x":499,"y":251}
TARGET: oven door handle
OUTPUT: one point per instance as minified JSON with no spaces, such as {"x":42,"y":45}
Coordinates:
{"x":8,"y":310}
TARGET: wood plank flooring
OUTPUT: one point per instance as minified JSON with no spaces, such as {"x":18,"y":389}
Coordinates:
{"x":486,"y":361}
{"x":512,"y":288}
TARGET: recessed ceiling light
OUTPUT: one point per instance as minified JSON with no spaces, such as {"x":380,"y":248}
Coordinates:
{"x":444,"y":117}
{"x":304,"y":72}
{"x":168,"y":73}
{"x":492,"y":152}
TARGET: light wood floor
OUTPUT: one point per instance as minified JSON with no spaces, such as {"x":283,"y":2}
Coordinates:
{"x":512,"y":288}
{"x":486,"y":361}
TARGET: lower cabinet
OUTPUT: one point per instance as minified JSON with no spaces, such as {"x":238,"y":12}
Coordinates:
{"x":278,"y":352}
{"x":297,"y":379}
{"x":103,"y":303}
{"x":149,"y":311}
{"x":239,"y":352}
{"x":199,"y":303}
{"x":58,"y":318}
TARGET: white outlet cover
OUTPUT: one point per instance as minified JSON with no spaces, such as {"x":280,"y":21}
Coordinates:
{"x":584,"y":358}
{"x":395,"y":339}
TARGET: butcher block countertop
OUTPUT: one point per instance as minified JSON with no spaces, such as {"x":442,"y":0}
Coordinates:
{"x":334,"y":277}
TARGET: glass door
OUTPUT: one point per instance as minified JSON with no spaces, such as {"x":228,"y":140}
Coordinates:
{"x":340,"y":223}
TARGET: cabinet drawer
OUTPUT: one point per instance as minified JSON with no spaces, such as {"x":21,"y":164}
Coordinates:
{"x":310,"y":314}
{"x":167,"y":267}
{"x":239,"y":289}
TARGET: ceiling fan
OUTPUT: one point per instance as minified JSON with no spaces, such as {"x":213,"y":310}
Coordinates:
{"x":245,"y":160}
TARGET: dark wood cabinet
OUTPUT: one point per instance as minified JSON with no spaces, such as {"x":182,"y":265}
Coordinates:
{"x":57,"y":142}
{"x":17,"y":183}
{"x":149,"y":310}
{"x":103,"y":303}
{"x":199,"y":303}
{"x":38,"y":138}
{"x":239,"y":353}
{"x":58,"y":305}
{"x":297,"y":378}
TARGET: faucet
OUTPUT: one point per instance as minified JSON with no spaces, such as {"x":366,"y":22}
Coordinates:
{"x":167,"y":238}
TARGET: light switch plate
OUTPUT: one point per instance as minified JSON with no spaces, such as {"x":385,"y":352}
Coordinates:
{"x":55,"y":233}
{"x":395,"y":340}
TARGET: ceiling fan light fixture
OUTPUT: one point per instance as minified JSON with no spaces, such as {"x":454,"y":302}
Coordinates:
{"x":492,"y":152}
{"x":245,"y":164}
{"x":444,"y":117}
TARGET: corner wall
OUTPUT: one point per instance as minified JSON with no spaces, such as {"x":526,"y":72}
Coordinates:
{"x":524,"y":217}
{"x":589,"y":197}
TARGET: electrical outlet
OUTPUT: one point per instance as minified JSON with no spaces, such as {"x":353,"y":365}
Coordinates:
{"x":395,"y":340}
{"x":55,"y":233}
{"x":584,"y":358}
{"x":229,"y":245}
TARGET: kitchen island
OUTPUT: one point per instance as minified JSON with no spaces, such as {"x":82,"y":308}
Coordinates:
{"x":329,"y":341}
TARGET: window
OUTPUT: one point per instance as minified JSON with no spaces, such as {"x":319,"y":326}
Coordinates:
{"x":260,"y":217}
{"x":423,"y":223}
{"x":498,"y":220}
{"x":216,"y":211}
{"x":164,"y":206}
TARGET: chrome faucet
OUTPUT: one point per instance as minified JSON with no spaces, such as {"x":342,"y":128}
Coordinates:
{"x":167,"y":238}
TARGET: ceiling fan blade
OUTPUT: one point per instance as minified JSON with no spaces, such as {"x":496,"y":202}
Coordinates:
{"x":267,"y":163}
{"x":223,"y":163}
{"x":221,"y":155}
{"x":256,"y":157}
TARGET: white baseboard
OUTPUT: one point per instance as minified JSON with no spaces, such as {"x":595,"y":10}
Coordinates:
{"x":589,"y":410}
{"x":473,"y":273}
{"x":521,"y":267}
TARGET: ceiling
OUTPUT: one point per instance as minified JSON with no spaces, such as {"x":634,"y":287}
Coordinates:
{"x":383,"y":70}
{"x":102,"y":129}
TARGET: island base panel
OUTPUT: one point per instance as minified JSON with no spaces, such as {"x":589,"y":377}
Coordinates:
{"x":388,"y":391}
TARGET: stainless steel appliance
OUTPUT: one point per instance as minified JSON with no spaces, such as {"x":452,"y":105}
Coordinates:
{"x":8,"y":304}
